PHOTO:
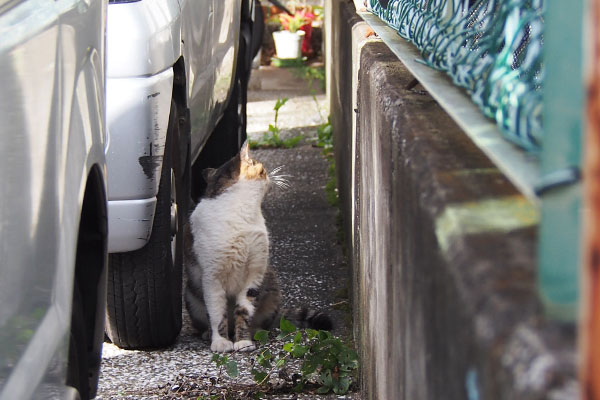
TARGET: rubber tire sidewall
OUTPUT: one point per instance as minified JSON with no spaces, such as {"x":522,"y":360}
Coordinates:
{"x":77,"y":367}
{"x":230,"y":133}
{"x":144,"y":291}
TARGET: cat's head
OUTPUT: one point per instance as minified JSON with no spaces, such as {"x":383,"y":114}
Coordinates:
{"x":240,"y":168}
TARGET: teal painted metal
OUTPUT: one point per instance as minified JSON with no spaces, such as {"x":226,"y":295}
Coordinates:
{"x":492,"y":48}
{"x":521,"y":61}
{"x":564,"y":99}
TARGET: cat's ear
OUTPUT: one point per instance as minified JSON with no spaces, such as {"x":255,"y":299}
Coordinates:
{"x":208,"y":173}
{"x":245,"y":151}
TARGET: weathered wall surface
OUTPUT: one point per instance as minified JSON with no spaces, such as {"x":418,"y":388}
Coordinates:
{"x":342,"y":70}
{"x":442,"y":245}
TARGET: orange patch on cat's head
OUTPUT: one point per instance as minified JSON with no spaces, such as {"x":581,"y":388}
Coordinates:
{"x":249,"y":168}
{"x":252,"y":170}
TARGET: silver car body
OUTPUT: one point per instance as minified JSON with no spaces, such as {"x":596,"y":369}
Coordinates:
{"x":53,"y":139}
{"x":144,"y":40}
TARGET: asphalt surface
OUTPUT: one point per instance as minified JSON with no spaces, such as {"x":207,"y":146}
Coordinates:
{"x":304,"y":251}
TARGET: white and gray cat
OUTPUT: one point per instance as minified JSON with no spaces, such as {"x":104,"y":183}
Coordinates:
{"x":231,"y":288}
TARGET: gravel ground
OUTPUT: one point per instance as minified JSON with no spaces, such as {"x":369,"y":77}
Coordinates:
{"x":305,"y":253}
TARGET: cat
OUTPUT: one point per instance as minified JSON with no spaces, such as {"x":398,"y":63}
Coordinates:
{"x":231,"y":289}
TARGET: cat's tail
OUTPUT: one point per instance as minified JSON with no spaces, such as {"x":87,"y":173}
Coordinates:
{"x":303,"y":317}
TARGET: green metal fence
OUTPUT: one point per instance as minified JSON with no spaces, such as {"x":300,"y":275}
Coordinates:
{"x":522,"y":63}
{"x":492,"y":48}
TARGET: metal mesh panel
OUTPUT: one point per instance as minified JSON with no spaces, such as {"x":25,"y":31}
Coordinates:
{"x":492,"y":48}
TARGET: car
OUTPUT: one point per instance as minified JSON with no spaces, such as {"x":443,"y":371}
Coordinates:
{"x":53,"y":213}
{"x":177,"y":77}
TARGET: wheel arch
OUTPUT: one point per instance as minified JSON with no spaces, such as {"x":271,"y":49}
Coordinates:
{"x":90,"y":267}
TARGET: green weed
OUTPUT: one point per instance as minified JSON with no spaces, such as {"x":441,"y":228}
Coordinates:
{"x":272,"y":138}
{"x":326,"y":360}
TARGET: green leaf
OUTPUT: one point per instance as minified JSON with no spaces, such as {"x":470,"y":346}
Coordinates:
{"x":298,"y":388}
{"x":288,"y":347}
{"x":280,"y":363}
{"x":292,"y":142}
{"x":232,"y":369}
{"x":326,"y":378}
{"x":259,"y":395}
{"x":323,"y":335}
{"x":264,"y":355}
{"x":342,"y":385}
{"x":348,"y":359}
{"x":261,"y":336}
{"x":279,"y":103}
{"x":286,"y":326}
{"x":298,"y":337}
{"x":311,"y":333}
{"x":215,"y":357}
{"x":264,"y":362}
{"x":309,"y":366}
{"x":299,"y":351}
{"x":323,"y":389}
{"x":259,"y":376}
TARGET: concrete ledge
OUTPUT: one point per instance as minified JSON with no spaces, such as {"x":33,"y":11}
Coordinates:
{"x":442,"y":246}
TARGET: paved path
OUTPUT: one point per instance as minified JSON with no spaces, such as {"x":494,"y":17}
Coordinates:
{"x":305,"y":110}
{"x":304,"y":251}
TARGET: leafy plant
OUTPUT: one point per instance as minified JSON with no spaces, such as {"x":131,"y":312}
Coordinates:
{"x":325,"y":137}
{"x":326,"y":360}
{"x":294,"y":22}
{"x":278,"y":104}
{"x":272,"y":138}
{"x":325,"y":141}
{"x":223,"y":361}
{"x":312,"y":74}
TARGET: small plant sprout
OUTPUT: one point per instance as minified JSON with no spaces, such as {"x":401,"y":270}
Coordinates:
{"x":272,"y":138}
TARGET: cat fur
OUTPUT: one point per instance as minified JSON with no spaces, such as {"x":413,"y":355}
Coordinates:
{"x":231,"y":289}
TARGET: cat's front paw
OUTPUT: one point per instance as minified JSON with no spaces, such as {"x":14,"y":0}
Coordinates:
{"x":244,"y":345}
{"x":221,"y":345}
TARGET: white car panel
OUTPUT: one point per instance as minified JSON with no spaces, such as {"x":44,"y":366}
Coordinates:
{"x":138,"y":116}
{"x":143,"y":38}
{"x":131,"y":223}
{"x":143,"y":41}
{"x":137,"y":111}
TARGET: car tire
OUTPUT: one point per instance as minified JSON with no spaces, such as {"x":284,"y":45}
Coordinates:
{"x":258,"y":29}
{"x":232,"y":128}
{"x":77,"y":367}
{"x":230,"y":133}
{"x":144,"y":286}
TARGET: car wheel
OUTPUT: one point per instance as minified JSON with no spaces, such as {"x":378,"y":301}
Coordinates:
{"x":144,"y":286}
{"x":232,"y":127}
{"x":230,"y":133}
{"x":77,"y":368}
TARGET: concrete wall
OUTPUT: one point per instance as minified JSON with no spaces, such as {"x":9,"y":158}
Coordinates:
{"x":442,"y":245}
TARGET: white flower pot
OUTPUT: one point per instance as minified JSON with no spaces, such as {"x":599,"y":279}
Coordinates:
{"x":288,"y":45}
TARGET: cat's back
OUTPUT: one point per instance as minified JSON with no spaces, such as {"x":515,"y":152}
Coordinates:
{"x":228,"y":216}
{"x":228,"y":236}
